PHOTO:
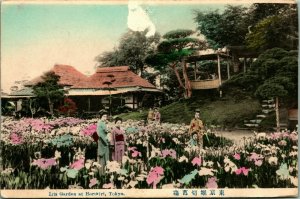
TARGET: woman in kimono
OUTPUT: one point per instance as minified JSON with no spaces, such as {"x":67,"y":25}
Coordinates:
{"x":156,"y":116}
{"x":118,"y":141}
{"x":103,"y":143}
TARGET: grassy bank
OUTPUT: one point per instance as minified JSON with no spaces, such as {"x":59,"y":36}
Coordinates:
{"x":225,"y":112}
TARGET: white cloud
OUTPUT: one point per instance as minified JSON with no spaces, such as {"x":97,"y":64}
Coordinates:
{"x":138,"y":19}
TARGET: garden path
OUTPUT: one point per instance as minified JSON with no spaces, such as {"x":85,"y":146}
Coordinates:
{"x":236,"y":135}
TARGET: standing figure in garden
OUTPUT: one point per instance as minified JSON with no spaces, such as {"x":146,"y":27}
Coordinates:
{"x":150,"y":116}
{"x":156,"y":116}
{"x":197,"y":126}
{"x":103,"y":143}
{"x":118,"y":141}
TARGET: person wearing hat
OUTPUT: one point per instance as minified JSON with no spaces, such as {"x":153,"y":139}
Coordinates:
{"x":103,"y":143}
{"x":197,"y":126}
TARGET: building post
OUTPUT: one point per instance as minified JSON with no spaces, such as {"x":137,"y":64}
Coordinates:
{"x":89,"y":103}
{"x":228,"y":70}
{"x":219,"y":70}
{"x":245,"y":65}
{"x":195,"y":71}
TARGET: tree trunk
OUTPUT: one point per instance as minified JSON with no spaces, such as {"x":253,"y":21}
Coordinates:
{"x":32,"y":108}
{"x":277,"y":114}
{"x":187,"y":82}
{"x":50,"y":106}
{"x":177,"y":75}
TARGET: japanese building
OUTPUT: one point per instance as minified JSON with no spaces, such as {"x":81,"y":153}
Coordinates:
{"x":115,"y":86}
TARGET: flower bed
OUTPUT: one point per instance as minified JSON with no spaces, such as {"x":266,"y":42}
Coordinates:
{"x":60,"y":153}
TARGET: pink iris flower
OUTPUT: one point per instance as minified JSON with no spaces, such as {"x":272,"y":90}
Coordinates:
{"x":108,"y":186}
{"x":170,"y":152}
{"x":237,"y":156}
{"x":154,"y":176}
{"x":242,"y":170}
{"x":275,"y":136}
{"x":44,"y":163}
{"x":254,"y":156}
{"x":15,"y":138}
{"x":136,"y":153}
{"x":196,"y":161}
{"x":211,"y":183}
{"x":88,"y":131}
{"x":79,"y":164}
{"x":93,"y":182}
{"x":293,"y":137}
{"x":258,"y":162}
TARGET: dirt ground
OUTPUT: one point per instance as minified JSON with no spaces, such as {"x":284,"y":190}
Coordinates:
{"x":236,"y":135}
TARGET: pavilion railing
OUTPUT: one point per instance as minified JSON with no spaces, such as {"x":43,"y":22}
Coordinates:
{"x":205,"y":84}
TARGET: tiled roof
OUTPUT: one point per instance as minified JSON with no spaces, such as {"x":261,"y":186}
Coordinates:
{"x":68,"y":75}
{"x":121,"y":75}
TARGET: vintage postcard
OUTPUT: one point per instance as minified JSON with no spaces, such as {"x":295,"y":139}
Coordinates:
{"x":169,"y":99}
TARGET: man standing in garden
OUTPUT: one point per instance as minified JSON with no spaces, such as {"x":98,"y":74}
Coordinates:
{"x":103,"y":143}
{"x":197,"y":126}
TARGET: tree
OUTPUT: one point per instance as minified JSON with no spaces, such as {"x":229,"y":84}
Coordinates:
{"x":279,"y":30}
{"x":49,"y":89}
{"x":260,"y":11}
{"x":134,"y":47}
{"x":276,"y":87}
{"x":172,"y":51}
{"x":272,"y":75}
{"x":228,"y":28}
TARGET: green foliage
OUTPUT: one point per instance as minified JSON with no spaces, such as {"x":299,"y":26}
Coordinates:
{"x":170,"y":52}
{"x":132,"y":50}
{"x":278,"y":86}
{"x":261,"y":26}
{"x":174,"y":45}
{"x":259,"y":11}
{"x":279,"y":29}
{"x":179,"y":33}
{"x":278,"y":72}
{"x":273,"y":74}
{"x":49,"y":89}
{"x":268,"y":90}
{"x":228,"y":28}
{"x":248,"y":81}
{"x":228,"y":113}
{"x":7,"y":108}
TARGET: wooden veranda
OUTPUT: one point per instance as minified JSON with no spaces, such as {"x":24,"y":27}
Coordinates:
{"x":216,"y":80}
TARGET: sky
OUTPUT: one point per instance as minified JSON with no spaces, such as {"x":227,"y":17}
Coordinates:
{"x":35,"y":37}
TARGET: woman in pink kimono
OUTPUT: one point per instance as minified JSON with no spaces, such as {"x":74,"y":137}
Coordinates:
{"x":118,"y":141}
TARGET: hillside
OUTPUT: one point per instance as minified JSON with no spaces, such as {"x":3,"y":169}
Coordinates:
{"x":225,"y":112}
